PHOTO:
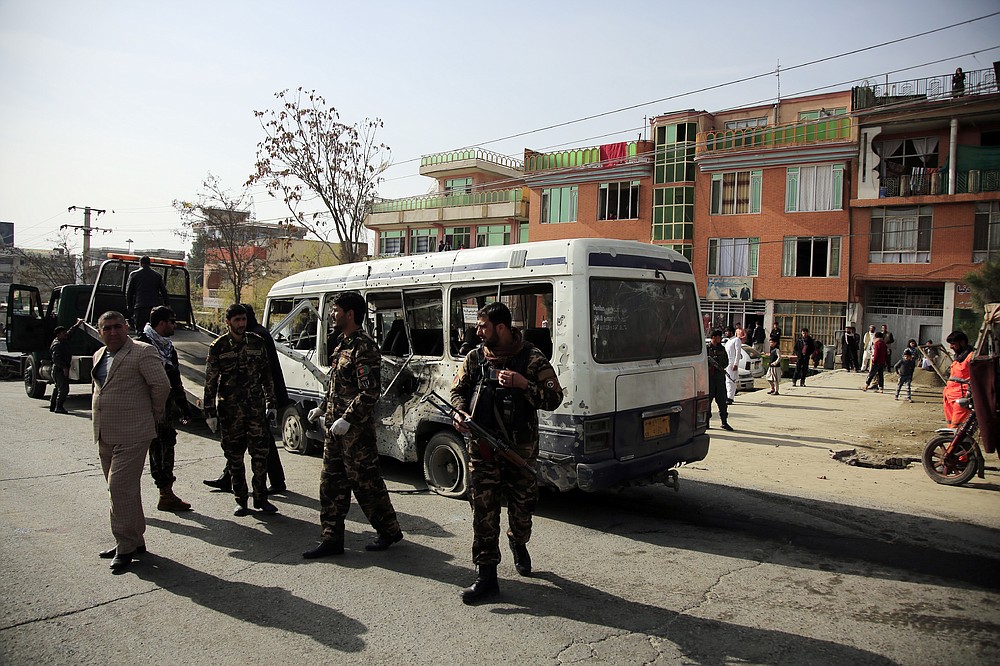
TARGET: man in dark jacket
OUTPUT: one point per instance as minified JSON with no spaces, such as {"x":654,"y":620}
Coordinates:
{"x":159,"y":330}
{"x":275,"y":472}
{"x":804,"y":348}
{"x":144,"y":290}
{"x":718,"y":361}
{"x":62,"y":358}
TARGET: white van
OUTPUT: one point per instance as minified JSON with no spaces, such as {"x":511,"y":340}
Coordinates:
{"x":619,"y":321}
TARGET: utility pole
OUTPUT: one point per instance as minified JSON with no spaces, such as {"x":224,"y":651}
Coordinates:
{"x":87,"y":229}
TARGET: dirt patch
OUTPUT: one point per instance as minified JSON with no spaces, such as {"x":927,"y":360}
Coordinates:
{"x":904,"y":432}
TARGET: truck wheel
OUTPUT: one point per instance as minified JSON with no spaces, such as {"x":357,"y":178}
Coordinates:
{"x":446,"y":465}
{"x":293,"y":431}
{"x":32,"y":385}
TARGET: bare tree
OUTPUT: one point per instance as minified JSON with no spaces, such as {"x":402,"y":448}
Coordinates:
{"x":231,"y":238}
{"x":46,"y":269}
{"x":309,"y":156}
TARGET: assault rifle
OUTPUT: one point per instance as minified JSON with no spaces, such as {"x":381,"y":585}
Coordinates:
{"x":499,"y":446}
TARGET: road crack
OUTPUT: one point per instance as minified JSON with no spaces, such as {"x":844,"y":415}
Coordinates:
{"x":77,"y":611}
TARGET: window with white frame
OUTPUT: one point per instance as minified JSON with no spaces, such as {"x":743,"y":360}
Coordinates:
{"x":423,"y":241}
{"x":901,"y":235}
{"x":811,"y":256}
{"x":458,"y":185}
{"x":558,"y":205}
{"x":736,"y":192}
{"x":618,"y":201}
{"x":733,"y":256}
{"x":746,"y":122}
{"x":391,"y":242}
{"x":457,"y":237}
{"x":814,"y":188}
{"x":986,"y":236}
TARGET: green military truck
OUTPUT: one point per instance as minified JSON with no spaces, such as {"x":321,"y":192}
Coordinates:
{"x":30,"y":323}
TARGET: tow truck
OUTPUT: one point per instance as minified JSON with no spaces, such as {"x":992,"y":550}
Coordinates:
{"x":30,"y":323}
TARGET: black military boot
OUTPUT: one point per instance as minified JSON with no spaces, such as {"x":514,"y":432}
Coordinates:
{"x":485,"y":585}
{"x":264,"y":506}
{"x":241,"y":508}
{"x":522,"y":561}
{"x":329,"y":546}
{"x":223,"y":483}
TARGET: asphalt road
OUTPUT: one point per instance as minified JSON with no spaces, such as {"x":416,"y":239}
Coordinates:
{"x":771,"y":553}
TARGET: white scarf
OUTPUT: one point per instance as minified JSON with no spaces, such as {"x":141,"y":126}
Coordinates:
{"x":163,"y":345}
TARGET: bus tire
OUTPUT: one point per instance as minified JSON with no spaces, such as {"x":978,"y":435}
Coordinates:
{"x":446,"y":468}
{"x":34,"y":387}
{"x":293,"y":431}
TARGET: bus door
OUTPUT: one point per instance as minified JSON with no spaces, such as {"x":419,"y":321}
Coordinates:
{"x":408,"y":327}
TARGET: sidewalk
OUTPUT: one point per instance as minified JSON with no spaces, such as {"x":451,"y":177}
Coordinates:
{"x":784,"y":444}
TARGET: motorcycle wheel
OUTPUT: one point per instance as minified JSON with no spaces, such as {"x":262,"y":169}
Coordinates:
{"x":950,"y":470}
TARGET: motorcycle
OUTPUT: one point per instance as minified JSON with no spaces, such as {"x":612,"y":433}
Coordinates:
{"x":954,"y":456}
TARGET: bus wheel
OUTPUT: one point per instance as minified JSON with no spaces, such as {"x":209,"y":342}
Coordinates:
{"x":445,"y":465}
{"x":293,"y":431}
{"x":34,"y":387}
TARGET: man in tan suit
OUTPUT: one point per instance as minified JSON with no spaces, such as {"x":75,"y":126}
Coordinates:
{"x":130,"y":394}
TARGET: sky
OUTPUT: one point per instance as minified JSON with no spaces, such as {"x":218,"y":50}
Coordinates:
{"x":127,"y":106}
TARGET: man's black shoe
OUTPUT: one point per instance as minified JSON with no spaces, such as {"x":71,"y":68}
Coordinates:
{"x":224,"y":482}
{"x":729,"y":401}
{"x":241,"y":509}
{"x":726,"y":426}
{"x":326,"y":547}
{"x":60,"y":410}
{"x":110,"y":552}
{"x":276,"y":488}
{"x":522,"y":560}
{"x":383,"y":541}
{"x":264,"y":506}
{"x":121,"y":562}
{"x":485,"y":586}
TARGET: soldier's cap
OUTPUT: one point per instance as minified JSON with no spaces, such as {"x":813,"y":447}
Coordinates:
{"x":59,"y":329}
{"x":907,"y":352}
{"x":716,"y":333}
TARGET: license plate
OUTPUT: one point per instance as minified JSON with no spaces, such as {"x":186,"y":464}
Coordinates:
{"x":656,"y":426}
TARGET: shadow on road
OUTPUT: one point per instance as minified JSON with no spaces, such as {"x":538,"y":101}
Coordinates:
{"x":730,"y":522}
{"x":256,"y":604}
{"x":699,"y":640}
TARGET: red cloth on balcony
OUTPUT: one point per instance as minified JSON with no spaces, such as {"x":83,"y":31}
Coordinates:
{"x":613,"y":153}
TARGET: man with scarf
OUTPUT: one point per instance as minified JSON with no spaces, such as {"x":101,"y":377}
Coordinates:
{"x":502,"y":384}
{"x":157,"y":332}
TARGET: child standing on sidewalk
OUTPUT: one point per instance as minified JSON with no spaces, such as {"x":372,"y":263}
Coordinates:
{"x":774,"y":368}
{"x":905,"y":367}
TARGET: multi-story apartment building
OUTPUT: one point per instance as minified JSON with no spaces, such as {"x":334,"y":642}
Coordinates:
{"x":926,"y":207}
{"x":855,"y":207}
{"x":479,"y":200}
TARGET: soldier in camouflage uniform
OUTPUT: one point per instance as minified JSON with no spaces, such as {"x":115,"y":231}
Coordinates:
{"x":350,"y":453}
{"x":502,"y":384}
{"x":238,"y":372}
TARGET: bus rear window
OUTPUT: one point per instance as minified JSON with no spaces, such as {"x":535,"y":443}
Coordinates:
{"x":636,"y":320}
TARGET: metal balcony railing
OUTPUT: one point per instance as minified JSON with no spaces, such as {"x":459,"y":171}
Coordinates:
{"x":936,"y":183}
{"x":471,"y":154}
{"x":836,"y":128}
{"x":871,"y":95}
{"x":444,"y":200}
{"x":576,"y":157}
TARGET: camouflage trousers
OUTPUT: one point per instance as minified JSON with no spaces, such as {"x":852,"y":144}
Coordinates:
{"x":491,"y":481}
{"x":161,"y":455}
{"x":242,"y":430}
{"x":350,"y":463}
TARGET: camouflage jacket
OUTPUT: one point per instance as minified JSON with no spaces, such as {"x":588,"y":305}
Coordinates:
{"x":238,"y":372}
{"x":543,"y":392}
{"x":355,"y":384}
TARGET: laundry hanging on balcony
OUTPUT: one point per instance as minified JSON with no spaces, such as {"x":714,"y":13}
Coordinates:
{"x":613,"y":154}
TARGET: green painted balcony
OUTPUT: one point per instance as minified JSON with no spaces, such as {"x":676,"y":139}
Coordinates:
{"x":576,"y":157}
{"x":811,"y":132}
{"x":509,"y":195}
